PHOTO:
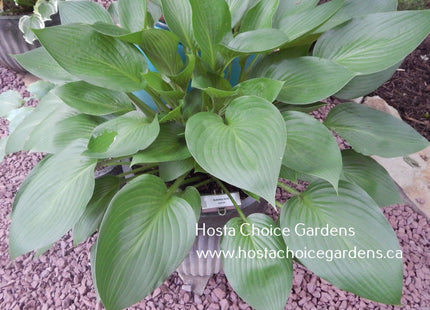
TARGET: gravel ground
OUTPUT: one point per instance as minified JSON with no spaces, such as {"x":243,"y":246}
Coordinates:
{"x":60,"y":279}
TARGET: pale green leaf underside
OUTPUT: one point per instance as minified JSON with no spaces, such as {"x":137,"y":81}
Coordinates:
{"x":52,"y":202}
{"x":239,"y":140}
{"x":143,"y":238}
{"x":37,"y":131}
{"x":311,"y":148}
{"x":372,"y":132}
{"x":264,"y":283}
{"x":363,"y":227}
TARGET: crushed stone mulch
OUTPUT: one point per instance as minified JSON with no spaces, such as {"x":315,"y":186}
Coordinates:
{"x":61,"y":278}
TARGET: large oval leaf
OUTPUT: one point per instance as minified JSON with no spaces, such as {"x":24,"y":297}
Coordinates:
{"x":93,"y":100}
{"x":347,"y":239}
{"x":169,"y":145}
{"x":257,"y":271}
{"x":307,"y":79}
{"x":311,"y":148}
{"x":124,"y":135}
{"x":372,"y":132}
{"x":374,"y":42}
{"x":95,"y":58}
{"x":232,"y":149}
{"x":370,"y":176}
{"x":144,"y":236}
{"x":53,"y":201}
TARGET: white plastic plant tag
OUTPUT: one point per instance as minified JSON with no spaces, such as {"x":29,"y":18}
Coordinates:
{"x":212,"y":203}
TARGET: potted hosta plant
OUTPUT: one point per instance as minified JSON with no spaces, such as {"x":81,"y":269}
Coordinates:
{"x":207,"y":128}
{"x":13,"y":18}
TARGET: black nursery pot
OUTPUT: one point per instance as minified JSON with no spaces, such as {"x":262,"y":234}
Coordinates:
{"x":12,"y":42}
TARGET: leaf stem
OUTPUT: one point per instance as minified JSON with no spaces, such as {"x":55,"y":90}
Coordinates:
{"x":144,"y":168}
{"x":142,"y":105}
{"x":242,"y":216}
{"x":289,"y":189}
{"x":278,"y":204}
{"x":176,"y":184}
{"x":197,"y":185}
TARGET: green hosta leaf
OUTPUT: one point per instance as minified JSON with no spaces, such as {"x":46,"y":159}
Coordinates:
{"x":3,"y":142}
{"x":305,"y":108}
{"x":104,"y":190}
{"x":293,"y":7}
{"x":132,"y":14}
{"x":370,"y":176}
{"x":238,"y":8}
{"x":178,"y":15}
{"x":353,"y":8}
{"x":15,"y":117}
{"x":124,"y":135}
{"x":374,"y":42}
{"x":260,"y":16}
{"x":53,"y":201}
{"x":257,"y":41}
{"x":307,"y":79}
{"x":349,"y":223}
{"x":372,"y":132}
{"x":263,"y":282}
{"x":93,"y":100}
{"x":85,"y":12}
{"x":169,"y":145}
{"x":161,"y":48}
{"x":193,"y":103}
{"x":37,"y":131}
{"x":211,"y":22}
{"x":79,"y":126}
{"x":171,"y":170}
{"x":296,"y":25}
{"x":311,"y":148}
{"x":9,"y":101}
{"x":106,"y":62}
{"x":192,"y":196}
{"x":144,"y":236}
{"x":40,"y":63}
{"x":261,"y":87}
{"x":183,"y":78}
{"x":362,"y":85}
{"x":40,"y":89}
{"x":229,"y":149}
